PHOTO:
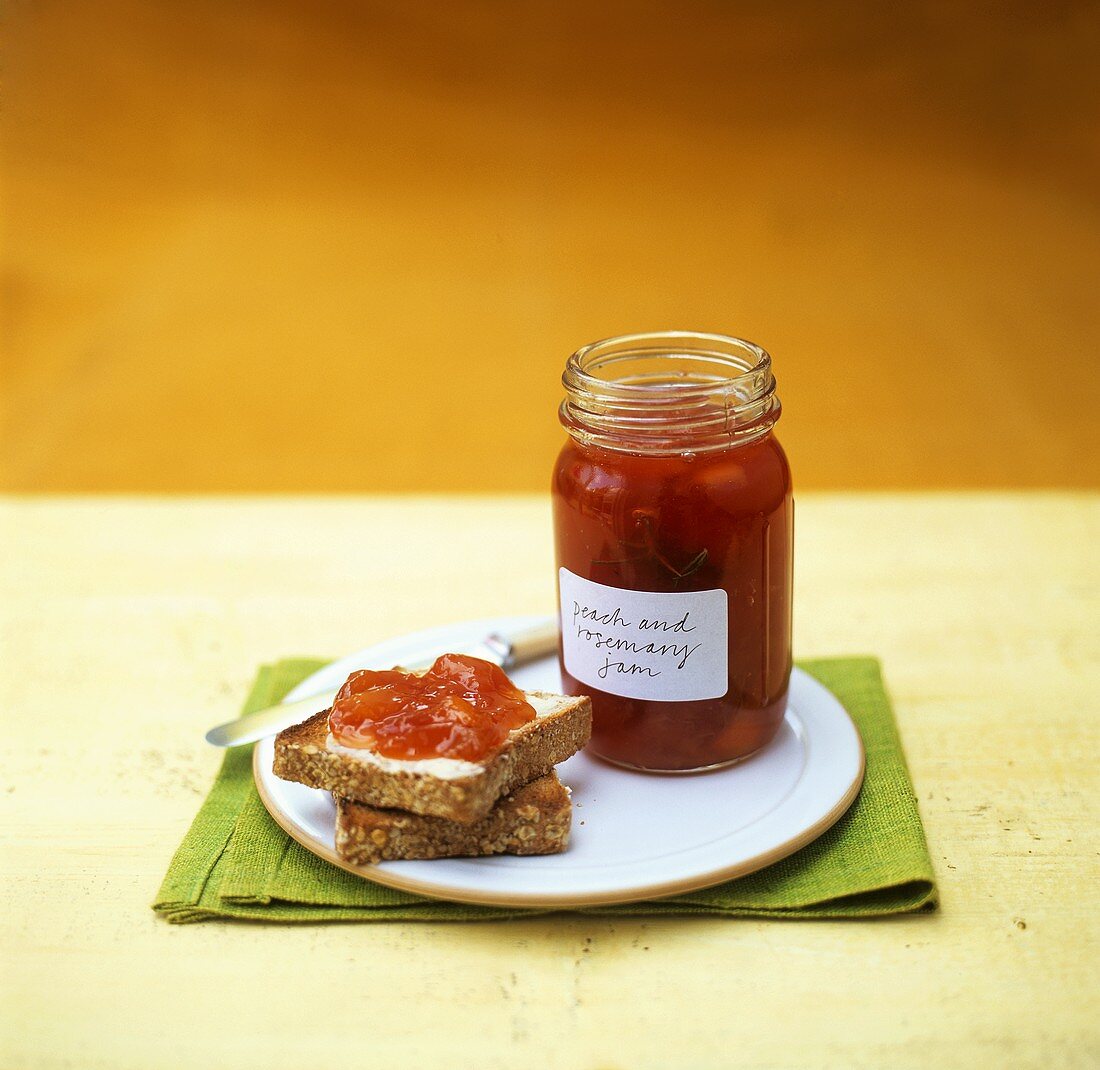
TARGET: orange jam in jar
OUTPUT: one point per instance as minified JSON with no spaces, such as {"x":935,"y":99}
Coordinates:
{"x":462,"y":707}
{"x":673,"y":521}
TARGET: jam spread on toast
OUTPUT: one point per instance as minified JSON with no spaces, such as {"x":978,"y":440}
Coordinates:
{"x":462,"y":707}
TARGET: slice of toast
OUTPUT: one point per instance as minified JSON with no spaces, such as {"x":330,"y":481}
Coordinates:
{"x":436,"y":787}
{"x":532,"y":820}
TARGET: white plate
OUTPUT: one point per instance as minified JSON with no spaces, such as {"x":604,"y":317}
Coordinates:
{"x":635,"y":835}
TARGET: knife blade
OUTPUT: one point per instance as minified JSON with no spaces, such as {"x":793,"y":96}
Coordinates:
{"x":505,"y":651}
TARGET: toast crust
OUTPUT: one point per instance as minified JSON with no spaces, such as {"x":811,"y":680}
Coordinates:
{"x":302,"y":754}
{"x":532,"y":820}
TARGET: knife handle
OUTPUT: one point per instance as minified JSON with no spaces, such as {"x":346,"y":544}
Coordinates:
{"x":531,"y":643}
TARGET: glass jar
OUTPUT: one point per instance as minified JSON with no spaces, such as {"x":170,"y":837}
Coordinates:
{"x":673,"y":521}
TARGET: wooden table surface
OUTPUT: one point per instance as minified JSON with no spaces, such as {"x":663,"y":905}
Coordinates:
{"x":129,"y":626}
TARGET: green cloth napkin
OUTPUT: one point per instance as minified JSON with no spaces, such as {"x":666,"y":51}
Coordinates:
{"x":235,"y":862}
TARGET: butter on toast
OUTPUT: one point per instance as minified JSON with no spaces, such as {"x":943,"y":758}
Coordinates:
{"x":532,"y":820}
{"x":460,"y":791}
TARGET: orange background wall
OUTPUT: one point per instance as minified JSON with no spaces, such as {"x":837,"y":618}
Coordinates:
{"x":348,"y":246}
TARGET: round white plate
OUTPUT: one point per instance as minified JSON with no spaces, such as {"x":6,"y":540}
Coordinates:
{"x":635,"y":835}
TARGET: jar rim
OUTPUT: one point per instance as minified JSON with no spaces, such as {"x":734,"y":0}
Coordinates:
{"x":670,"y":389}
{"x":725,"y":348}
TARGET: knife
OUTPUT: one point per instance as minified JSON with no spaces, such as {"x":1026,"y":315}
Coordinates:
{"x":503,"y":650}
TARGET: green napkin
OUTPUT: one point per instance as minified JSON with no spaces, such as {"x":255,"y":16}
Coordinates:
{"x":235,"y":862}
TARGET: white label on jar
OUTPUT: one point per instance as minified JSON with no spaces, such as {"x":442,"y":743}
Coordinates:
{"x":644,"y":644}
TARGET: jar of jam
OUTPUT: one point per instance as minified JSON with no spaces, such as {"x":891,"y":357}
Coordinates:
{"x":673,"y":523}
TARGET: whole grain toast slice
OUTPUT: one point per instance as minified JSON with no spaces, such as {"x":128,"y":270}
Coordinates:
{"x":459,"y":791}
{"x":532,"y":820}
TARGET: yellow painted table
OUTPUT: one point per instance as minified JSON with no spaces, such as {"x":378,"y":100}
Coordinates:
{"x":129,"y":626}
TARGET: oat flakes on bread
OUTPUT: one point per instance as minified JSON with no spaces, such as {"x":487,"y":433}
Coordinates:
{"x":532,"y":820}
{"x":466,"y":792}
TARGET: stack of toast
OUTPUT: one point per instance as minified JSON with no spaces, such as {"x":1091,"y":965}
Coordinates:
{"x":389,"y":809}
